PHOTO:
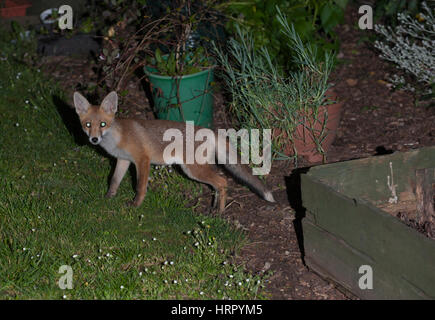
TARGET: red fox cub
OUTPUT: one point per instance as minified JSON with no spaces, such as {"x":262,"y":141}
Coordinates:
{"x":142,"y":142}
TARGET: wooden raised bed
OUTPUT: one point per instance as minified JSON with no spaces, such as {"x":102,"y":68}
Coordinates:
{"x":345,"y":227}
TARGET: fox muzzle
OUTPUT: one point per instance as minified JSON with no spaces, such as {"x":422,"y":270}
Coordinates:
{"x":95,"y":140}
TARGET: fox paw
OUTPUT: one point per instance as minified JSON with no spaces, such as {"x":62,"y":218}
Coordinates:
{"x":132,"y":204}
{"x":110,"y":194}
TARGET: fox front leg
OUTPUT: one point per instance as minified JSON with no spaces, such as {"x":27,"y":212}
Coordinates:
{"x":143,"y":171}
{"x":119,"y":173}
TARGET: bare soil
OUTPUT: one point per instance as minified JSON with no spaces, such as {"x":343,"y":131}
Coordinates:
{"x":375,"y":120}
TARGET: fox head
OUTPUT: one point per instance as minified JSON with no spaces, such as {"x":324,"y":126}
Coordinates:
{"x":96,"y":120}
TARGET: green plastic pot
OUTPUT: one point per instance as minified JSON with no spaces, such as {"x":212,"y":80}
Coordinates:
{"x":195,"y":96}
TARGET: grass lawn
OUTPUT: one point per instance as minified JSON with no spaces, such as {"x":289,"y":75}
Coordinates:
{"x":53,"y":212}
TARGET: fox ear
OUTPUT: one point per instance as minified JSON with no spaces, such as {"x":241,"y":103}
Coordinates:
{"x":110,"y":103}
{"x":81,"y":104}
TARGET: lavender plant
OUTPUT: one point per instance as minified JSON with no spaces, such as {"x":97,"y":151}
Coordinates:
{"x":411,"y":47}
{"x":262,"y":97}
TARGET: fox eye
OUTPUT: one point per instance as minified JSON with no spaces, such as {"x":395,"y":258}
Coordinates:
{"x":88,"y":124}
{"x":102,"y":124}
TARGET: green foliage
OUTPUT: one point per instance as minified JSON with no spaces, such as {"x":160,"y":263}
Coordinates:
{"x":187,"y":63}
{"x":387,"y":10}
{"x":87,"y":25}
{"x":313,"y":20}
{"x":263,"y":97}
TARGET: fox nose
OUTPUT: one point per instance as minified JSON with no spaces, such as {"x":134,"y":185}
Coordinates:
{"x":94,"y":139}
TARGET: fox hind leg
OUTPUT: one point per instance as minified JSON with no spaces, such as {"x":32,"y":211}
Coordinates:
{"x":207,"y":174}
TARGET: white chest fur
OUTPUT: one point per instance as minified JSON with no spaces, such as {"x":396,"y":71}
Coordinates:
{"x":110,"y":142}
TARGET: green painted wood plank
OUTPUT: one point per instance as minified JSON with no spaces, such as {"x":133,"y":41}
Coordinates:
{"x":367,"y":178}
{"x":334,"y":259}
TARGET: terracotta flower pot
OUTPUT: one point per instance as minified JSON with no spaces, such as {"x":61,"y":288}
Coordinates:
{"x":303,"y":137}
{"x":15,"y":8}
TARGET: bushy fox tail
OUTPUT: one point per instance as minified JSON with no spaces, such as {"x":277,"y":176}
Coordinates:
{"x":242,"y":173}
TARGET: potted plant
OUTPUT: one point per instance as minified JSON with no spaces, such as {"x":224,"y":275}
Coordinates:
{"x":297,"y":106}
{"x":181,"y":78}
{"x":314,"y":136}
{"x":182,"y":86}
{"x":168,"y":49}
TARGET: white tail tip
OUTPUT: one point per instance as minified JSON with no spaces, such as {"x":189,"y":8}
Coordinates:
{"x":269,"y":196}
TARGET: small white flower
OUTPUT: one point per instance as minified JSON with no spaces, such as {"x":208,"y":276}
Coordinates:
{"x":171,"y":263}
{"x":64,"y":296}
{"x":121,"y":287}
{"x":75,"y":256}
{"x":201,"y":293}
{"x":154,"y":239}
{"x":17,"y":124}
{"x":175,"y":281}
